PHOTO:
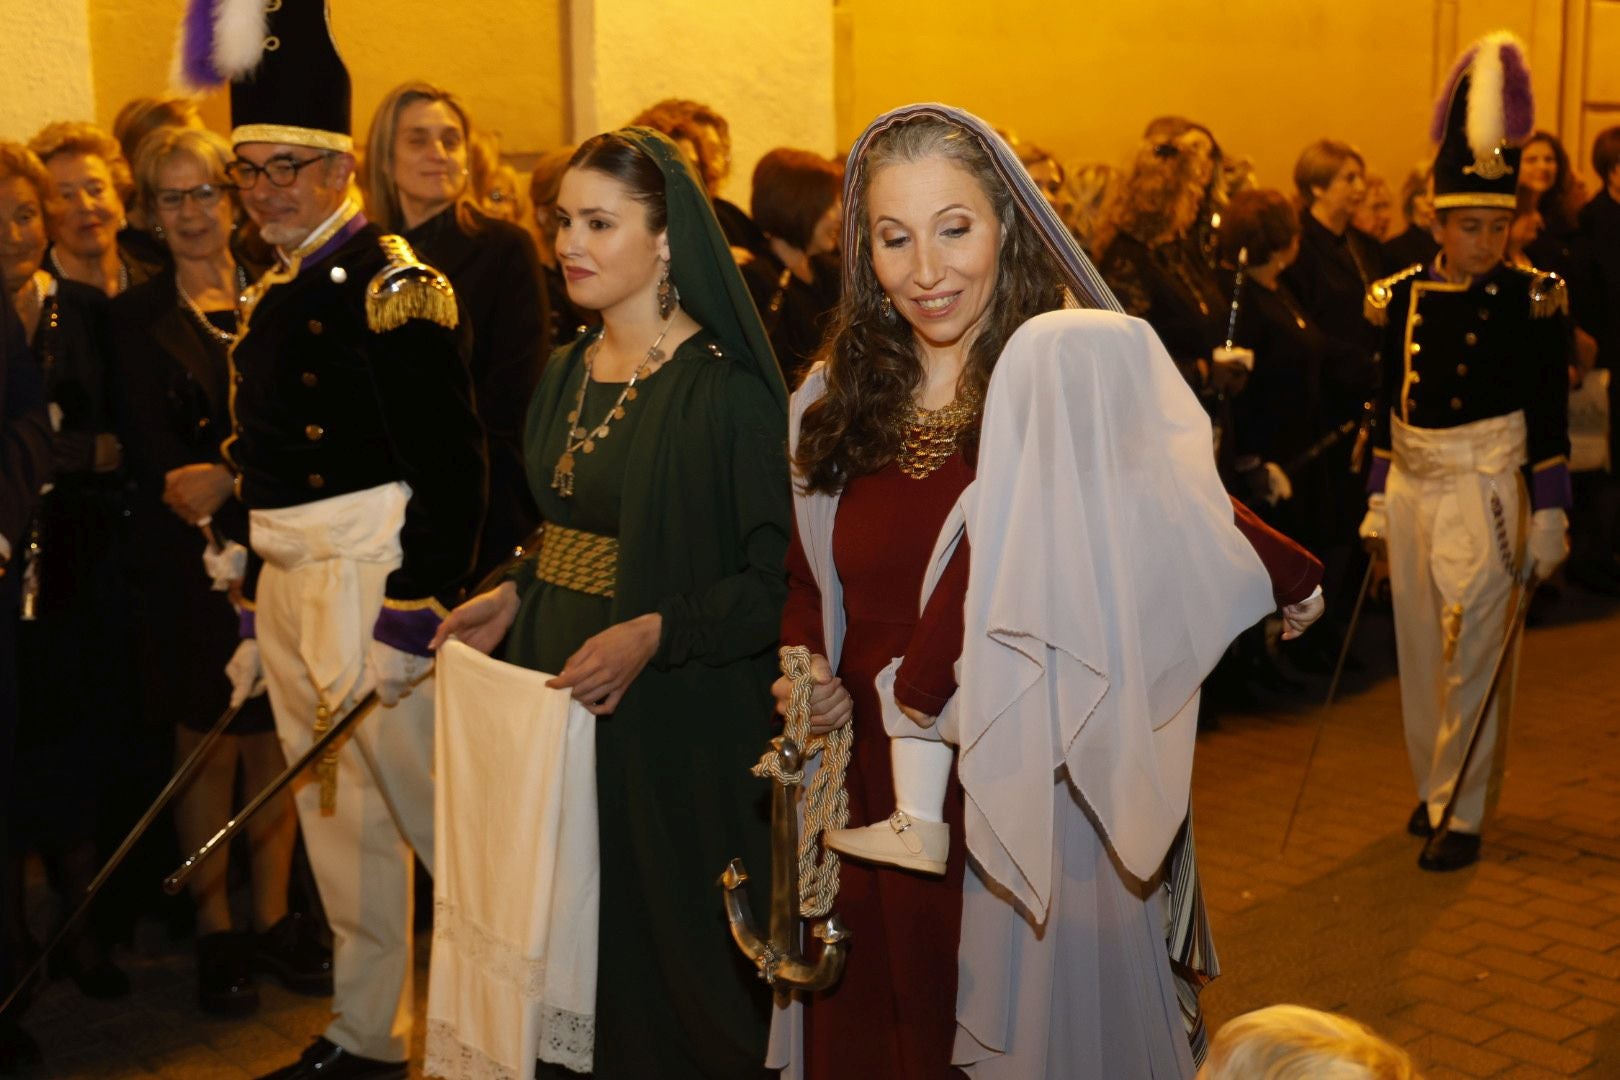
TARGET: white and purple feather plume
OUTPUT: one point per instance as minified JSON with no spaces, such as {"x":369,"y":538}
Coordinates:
{"x":1501,"y":107}
{"x":220,"y":40}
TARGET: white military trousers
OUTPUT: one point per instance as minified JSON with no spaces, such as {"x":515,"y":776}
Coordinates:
{"x":318,"y":598}
{"x":1458,"y":513}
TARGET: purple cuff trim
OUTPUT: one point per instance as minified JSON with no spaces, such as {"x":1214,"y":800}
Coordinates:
{"x":407,"y":630}
{"x":246,"y":625}
{"x":1550,"y":489}
{"x":1378,"y":475}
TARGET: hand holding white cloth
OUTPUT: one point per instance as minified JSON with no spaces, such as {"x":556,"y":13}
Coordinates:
{"x":1549,"y":541}
{"x":225,"y":565}
{"x":245,"y":672}
{"x":513,"y":975}
{"x":1374,"y":528}
{"x":396,"y":671}
{"x":1297,"y":618}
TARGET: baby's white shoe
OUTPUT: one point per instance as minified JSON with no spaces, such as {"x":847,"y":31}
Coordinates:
{"x":900,"y":841}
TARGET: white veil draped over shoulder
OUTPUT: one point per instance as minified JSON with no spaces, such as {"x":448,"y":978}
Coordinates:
{"x":1107,"y":578}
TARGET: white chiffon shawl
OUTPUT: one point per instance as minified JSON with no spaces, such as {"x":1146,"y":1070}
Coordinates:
{"x":1106,"y":579}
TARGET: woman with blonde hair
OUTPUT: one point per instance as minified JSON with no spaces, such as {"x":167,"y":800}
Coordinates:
{"x":419,"y":156}
{"x":93,"y":184}
{"x":1151,"y":256}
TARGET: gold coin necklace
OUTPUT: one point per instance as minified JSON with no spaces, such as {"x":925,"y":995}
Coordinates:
{"x":930,"y":436}
{"x":583,"y":439}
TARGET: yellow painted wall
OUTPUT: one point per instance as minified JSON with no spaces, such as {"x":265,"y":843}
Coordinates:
{"x":503,"y":59}
{"x":44,"y":65}
{"x":1268,"y":76}
{"x":765,"y":65}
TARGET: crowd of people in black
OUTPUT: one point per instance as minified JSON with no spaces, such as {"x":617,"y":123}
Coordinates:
{"x":123,"y":256}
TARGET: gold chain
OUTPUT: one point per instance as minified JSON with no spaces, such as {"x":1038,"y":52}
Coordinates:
{"x":583,"y":439}
{"x":930,"y":436}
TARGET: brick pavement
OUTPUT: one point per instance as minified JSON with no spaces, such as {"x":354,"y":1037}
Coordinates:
{"x":1510,"y":969}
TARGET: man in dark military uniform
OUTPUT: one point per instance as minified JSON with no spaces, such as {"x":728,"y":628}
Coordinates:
{"x":361,"y":461}
{"x":1470,"y":483}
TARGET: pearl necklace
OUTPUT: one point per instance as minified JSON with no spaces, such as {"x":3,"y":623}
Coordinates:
{"x":123,"y":272}
{"x":224,"y":337}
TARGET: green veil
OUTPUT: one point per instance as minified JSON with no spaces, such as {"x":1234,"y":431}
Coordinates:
{"x":701,"y":265}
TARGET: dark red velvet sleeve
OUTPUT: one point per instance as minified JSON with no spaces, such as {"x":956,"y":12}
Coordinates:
{"x":801,"y":618}
{"x":1295,"y":572}
{"x":927,"y":676}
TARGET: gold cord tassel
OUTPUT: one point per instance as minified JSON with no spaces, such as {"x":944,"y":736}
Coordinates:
{"x":326,"y":768}
{"x":406,"y":289}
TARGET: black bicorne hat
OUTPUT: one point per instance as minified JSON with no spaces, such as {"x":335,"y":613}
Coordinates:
{"x":288,"y":83}
{"x":1481,"y":120}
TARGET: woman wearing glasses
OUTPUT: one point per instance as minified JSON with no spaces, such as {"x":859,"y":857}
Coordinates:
{"x":173,"y":335}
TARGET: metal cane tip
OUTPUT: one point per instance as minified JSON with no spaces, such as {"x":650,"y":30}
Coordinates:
{"x":733,"y":875}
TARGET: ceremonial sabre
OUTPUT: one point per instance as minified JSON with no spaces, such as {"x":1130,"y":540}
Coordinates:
{"x":1521,"y":609}
{"x":1327,"y":703}
{"x":176,"y":782}
{"x":798,"y":877}
{"x":175,"y":881}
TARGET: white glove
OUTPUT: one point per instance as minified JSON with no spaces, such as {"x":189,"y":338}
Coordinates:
{"x":396,"y":671}
{"x":245,"y":672}
{"x":226,"y":566}
{"x":1297,"y":618}
{"x":1243,"y":358}
{"x":1374,"y":528}
{"x":1549,"y":541}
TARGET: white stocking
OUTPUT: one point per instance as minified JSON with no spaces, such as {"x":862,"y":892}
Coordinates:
{"x":922,"y":768}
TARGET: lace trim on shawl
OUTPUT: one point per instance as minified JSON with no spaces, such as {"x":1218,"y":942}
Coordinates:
{"x":566,"y":1038}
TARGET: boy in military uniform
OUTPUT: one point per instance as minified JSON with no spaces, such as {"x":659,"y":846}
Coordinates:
{"x":1470,"y":482}
{"x":359,"y":456}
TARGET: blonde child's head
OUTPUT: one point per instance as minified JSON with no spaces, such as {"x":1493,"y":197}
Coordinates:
{"x":1291,"y":1042}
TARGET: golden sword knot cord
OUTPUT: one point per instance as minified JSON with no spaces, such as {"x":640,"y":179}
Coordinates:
{"x":826,"y":803}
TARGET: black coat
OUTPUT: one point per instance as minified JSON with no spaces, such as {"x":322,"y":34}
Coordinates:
{"x":1455,"y":354}
{"x":796,"y":315}
{"x":1171,"y":287}
{"x":173,"y":389}
{"x":496,"y":274}
{"x":324,"y":405}
{"x":1330,"y":280}
{"x":1415,"y":245}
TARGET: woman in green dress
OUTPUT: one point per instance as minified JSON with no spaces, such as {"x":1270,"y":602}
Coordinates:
{"x":656,"y":449}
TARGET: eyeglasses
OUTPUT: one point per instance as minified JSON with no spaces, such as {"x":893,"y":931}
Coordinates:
{"x":206,"y":196}
{"x":281,"y":171}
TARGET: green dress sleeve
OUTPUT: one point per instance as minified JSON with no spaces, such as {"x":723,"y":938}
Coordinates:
{"x":739,"y":616}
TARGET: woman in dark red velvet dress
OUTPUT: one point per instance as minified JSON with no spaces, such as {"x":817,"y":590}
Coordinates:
{"x":945,"y":256}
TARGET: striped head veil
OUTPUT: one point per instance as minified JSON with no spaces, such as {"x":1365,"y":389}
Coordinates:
{"x":701,"y":265}
{"x":1085,"y":285}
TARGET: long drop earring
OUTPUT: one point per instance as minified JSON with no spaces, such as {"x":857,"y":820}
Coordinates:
{"x":886,"y":309}
{"x":668,"y":295}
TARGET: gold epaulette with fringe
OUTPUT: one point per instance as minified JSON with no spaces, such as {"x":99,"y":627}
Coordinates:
{"x":1381,"y":292}
{"x":408,"y":288}
{"x":1549,"y":296}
